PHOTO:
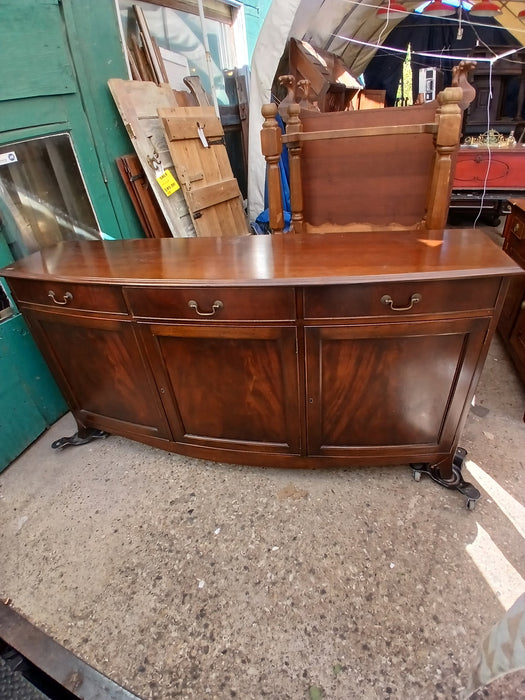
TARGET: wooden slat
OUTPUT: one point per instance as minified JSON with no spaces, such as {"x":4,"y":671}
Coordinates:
{"x":160,"y":62}
{"x":146,"y":206}
{"x":137,"y":53}
{"x":194,"y":85}
{"x":355,"y":133}
{"x":153,"y":56}
{"x":133,"y":66}
{"x":180,"y":128}
{"x":213,"y":194}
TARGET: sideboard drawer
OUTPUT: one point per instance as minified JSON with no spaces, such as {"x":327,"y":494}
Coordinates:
{"x":64,"y":295}
{"x":514,"y":233}
{"x":219,"y":303}
{"x":400,"y":298}
{"x":514,"y":244}
{"x":517,"y":228}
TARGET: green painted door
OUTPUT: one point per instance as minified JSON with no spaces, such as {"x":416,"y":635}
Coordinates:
{"x":29,"y":398}
{"x":56,"y":58}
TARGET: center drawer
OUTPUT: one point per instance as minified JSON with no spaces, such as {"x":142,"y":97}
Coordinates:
{"x":394,"y":299}
{"x":212,"y":304}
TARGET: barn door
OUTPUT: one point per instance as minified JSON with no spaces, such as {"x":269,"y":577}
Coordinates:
{"x":196,"y":143}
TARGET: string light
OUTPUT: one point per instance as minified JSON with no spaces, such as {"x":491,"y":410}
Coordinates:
{"x":429,"y":54}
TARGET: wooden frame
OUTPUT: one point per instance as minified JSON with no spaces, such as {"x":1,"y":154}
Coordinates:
{"x":213,"y":9}
{"x":139,"y":189}
{"x":388,"y":168}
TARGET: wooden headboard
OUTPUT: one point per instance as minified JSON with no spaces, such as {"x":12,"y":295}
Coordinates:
{"x":361,"y":170}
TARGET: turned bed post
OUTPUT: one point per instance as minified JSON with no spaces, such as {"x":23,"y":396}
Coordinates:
{"x":447,"y":138}
{"x":294,"y":126}
{"x":271,"y":147}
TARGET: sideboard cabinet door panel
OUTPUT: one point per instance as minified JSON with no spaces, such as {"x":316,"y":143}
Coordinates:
{"x":396,"y":385}
{"x":102,"y":372}
{"x":229,"y":387}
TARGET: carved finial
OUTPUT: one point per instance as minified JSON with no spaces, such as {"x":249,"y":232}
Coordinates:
{"x":307,"y":101}
{"x":294,"y":110}
{"x":460,"y":79}
{"x":269,"y":110}
{"x":449,"y":99}
{"x":288,"y":81}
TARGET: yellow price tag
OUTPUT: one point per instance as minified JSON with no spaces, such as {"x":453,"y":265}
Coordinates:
{"x":168,"y":183}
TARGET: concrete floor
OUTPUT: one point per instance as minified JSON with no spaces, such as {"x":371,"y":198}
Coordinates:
{"x":181,"y":578}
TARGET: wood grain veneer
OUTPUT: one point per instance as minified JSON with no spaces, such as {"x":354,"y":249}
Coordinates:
{"x":271,"y":350}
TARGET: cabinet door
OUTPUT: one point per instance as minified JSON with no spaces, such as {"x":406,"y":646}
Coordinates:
{"x":229,"y":387}
{"x":102,"y":372}
{"x":390,"y":385}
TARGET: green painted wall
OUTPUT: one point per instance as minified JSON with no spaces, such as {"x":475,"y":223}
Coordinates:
{"x":96,"y":50}
{"x":59,"y":83}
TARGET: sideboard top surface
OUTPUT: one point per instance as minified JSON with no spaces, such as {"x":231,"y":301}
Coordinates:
{"x":287,"y":259}
{"x":518,"y":202}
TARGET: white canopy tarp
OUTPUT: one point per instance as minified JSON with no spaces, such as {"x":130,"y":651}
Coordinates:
{"x":350,"y":29}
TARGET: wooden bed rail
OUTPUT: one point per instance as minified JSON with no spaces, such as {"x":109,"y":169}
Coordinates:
{"x":356,"y":133}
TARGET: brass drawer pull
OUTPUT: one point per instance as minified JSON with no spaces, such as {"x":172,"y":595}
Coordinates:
{"x":519,"y":232}
{"x":214,"y":307}
{"x":66,"y":298}
{"x":388,"y":301}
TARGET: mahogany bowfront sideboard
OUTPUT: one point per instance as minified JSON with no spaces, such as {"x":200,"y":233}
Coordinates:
{"x":314,"y":350}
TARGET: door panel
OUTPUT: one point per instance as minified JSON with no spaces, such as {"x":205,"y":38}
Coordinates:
{"x":389,"y":384}
{"x":102,"y":372}
{"x":229,"y":387}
